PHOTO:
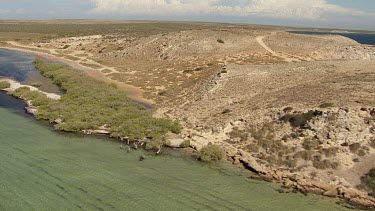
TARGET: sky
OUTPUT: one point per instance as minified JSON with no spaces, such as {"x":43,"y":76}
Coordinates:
{"x":346,"y":14}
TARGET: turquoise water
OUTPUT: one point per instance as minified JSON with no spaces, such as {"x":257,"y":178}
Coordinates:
{"x":368,"y":39}
{"x":41,"y":169}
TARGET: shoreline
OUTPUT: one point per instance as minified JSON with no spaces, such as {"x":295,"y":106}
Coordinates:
{"x":300,"y":184}
{"x":134,"y":93}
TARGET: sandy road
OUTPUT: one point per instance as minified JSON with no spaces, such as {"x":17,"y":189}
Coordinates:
{"x":286,"y":58}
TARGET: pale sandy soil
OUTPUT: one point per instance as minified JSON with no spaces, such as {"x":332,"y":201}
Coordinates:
{"x":15,"y":85}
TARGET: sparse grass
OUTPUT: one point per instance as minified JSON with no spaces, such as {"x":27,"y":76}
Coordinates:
{"x":4,"y":84}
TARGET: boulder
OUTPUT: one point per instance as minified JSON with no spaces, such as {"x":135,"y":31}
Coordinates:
{"x":331,"y":193}
{"x":175,"y":143}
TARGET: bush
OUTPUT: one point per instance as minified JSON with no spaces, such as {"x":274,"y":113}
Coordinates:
{"x":211,"y":152}
{"x":361,"y":153}
{"x":89,"y":104}
{"x":4,"y":84}
{"x":220,"y":41}
{"x":354,"y":147}
{"x":236,"y":133}
{"x":300,"y":120}
{"x":330,"y":152}
{"x":368,"y":182}
{"x":325,"y":164}
{"x":372,"y":143}
{"x":185,"y":144}
{"x":327,"y":105}
{"x":305,"y":155}
{"x":310,"y":144}
{"x":36,"y":84}
{"x":288,"y":109}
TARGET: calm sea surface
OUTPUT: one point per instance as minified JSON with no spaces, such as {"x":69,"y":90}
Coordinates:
{"x":41,"y":169}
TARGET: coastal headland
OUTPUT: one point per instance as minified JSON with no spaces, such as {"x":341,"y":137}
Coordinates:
{"x":295,"y":108}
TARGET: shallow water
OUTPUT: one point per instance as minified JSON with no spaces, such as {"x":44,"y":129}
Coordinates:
{"x":368,"y":39}
{"x":19,"y":66}
{"x":43,"y":170}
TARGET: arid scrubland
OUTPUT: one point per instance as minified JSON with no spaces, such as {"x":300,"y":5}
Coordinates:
{"x":294,"y":108}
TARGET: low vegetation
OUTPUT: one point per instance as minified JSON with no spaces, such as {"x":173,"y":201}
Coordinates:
{"x":368,"y":182}
{"x":300,"y":119}
{"x":327,"y":105}
{"x":211,"y":152}
{"x":220,"y":41}
{"x":89,"y":104}
{"x":4,"y":84}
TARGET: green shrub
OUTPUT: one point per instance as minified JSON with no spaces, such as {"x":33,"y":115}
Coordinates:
{"x":220,"y":41}
{"x":368,"y":182}
{"x":372,"y":143}
{"x":90,"y":104}
{"x":288,"y":109}
{"x":305,"y":155}
{"x":188,"y":71}
{"x":236,"y":133}
{"x":185,"y":144}
{"x":106,"y":71}
{"x":211,"y":152}
{"x":330,"y":152}
{"x":36,"y":84}
{"x":361,"y":153}
{"x":310,"y":144}
{"x":4,"y":84}
{"x":354,"y":147}
{"x":299,"y":120}
{"x":325,"y":164}
{"x":327,"y":105}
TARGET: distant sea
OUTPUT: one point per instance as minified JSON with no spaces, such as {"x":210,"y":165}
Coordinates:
{"x":368,"y":39}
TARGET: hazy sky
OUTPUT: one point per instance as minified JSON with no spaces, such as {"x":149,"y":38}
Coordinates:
{"x":355,"y":14}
